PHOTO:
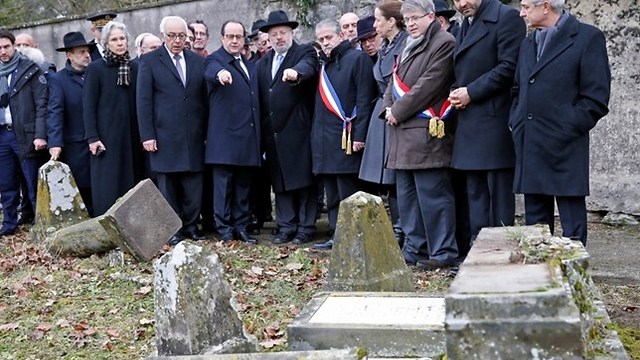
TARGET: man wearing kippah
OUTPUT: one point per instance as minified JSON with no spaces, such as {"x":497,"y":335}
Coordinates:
{"x":98,"y":21}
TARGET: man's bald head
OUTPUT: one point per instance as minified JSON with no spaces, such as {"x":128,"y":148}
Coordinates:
{"x":25,"y":40}
{"x":349,"y":26}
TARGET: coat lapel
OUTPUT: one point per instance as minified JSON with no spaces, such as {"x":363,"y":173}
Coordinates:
{"x":477,"y":31}
{"x":168,"y":62}
{"x":562,"y":41}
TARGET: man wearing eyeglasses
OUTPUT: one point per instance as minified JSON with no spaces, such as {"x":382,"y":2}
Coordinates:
{"x":287,"y":78}
{"x":233,"y":137}
{"x":172,"y":110}
{"x":485,"y":59}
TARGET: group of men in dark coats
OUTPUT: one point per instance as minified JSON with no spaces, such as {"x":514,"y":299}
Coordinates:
{"x":306,"y":115}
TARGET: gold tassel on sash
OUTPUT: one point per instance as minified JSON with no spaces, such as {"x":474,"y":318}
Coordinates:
{"x":440,"y":133}
{"x":349,"y":145}
{"x":436,"y":127}
{"x":344,"y":138}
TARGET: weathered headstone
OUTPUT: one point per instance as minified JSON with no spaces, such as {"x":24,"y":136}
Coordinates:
{"x":365,"y":255}
{"x":387,"y":324}
{"x":81,"y":240}
{"x":334,"y":354}
{"x":59,"y":203}
{"x":523,"y":294}
{"x":194,"y":306}
{"x":141,"y":221}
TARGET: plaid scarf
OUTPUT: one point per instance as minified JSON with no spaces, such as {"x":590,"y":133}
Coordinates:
{"x":124,"y":68}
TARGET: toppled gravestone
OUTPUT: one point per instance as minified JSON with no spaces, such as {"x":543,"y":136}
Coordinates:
{"x":140,"y":223}
{"x":59,"y":203}
{"x":387,"y":324}
{"x":523,"y":294}
{"x":365,"y":255}
{"x":81,"y":240}
{"x":194,"y":307}
{"x":334,"y":354}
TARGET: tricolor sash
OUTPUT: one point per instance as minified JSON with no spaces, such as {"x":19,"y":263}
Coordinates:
{"x":332,"y":102}
{"x":436,"y":120}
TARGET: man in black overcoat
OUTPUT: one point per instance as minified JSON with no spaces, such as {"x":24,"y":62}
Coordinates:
{"x":233,"y":138}
{"x":172,"y":111}
{"x":65,"y":125}
{"x":339,"y":132}
{"x":287,"y":79}
{"x":485,"y":59}
{"x":561,"y":90}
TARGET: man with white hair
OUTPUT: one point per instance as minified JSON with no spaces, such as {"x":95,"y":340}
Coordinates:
{"x":172,"y":110}
{"x":562,"y":89}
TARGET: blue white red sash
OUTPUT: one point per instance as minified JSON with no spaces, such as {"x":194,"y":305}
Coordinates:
{"x":333,"y":104}
{"x":436,"y":124}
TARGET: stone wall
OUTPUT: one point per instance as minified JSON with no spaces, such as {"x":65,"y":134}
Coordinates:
{"x":615,"y":147}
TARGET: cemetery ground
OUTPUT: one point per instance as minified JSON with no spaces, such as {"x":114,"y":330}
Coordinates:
{"x":101,"y":307}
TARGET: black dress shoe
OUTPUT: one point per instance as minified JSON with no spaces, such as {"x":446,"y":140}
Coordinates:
{"x":327,"y":245}
{"x":228,"y":236}
{"x":7,"y":232}
{"x":23,"y":220}
{"x":302,"y":238}
{"x":175,"y":239}
{"x":432,"y":264}
{"x":253,"y":229}
{"x":193,"y":233}
{"x":268,"y":218}
{"x":245,"y":237}
{"x":282,"y":238}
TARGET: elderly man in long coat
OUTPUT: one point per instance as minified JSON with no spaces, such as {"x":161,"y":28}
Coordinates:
{"x":344,"y":103}
{"x":561,"y":90}
{"x":485,"y":59}
{"x":287,"y":78}
{"x":172,"y":110}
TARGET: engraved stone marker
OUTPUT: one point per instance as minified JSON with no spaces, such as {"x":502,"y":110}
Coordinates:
{"x":387,"y":324}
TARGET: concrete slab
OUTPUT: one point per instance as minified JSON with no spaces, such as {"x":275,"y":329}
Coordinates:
{"x":512,"y":278}
{"x":386,"y":324}
{"x":334,"y":354}
{"x":614,"y":254}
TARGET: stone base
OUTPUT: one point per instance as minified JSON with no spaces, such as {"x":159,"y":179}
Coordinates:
{"x":386,"y":324}
{"x":335,"y":354}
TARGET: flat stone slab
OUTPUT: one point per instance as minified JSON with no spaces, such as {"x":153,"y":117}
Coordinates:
{"x":142,"y":220}
{"x":334,"y":354}
{"x":387,"y":324}
{"x":513,"y":278}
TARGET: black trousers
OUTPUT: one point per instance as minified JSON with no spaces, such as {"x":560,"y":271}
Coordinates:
{"x":539,"y":209}
{"x":338,"y":187}
{"x":427,"y":205}
{"x":296,"y":210}
{"x":183,"y":191}
{"x":231,"y":186}
{"x":260,"y":194}
{"x":491,"y":200}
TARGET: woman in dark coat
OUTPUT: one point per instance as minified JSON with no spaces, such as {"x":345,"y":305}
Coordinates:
{"x":110,"y":123}
{"x":390,"y":27}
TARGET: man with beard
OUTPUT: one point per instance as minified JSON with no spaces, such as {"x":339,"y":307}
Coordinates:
{"x":23,"y":133}
{"x":287,"y":83}
{"x":65,"y":126}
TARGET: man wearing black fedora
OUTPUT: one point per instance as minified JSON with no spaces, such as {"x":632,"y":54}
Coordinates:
{"x":368,"y":37}
{"x":98,"y":21}
{"x":287,"y":80}
{"x":65,"y":126}
{"x":444,"y":13}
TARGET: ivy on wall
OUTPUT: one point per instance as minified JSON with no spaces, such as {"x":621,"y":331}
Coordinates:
{"x":304,"y":7}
